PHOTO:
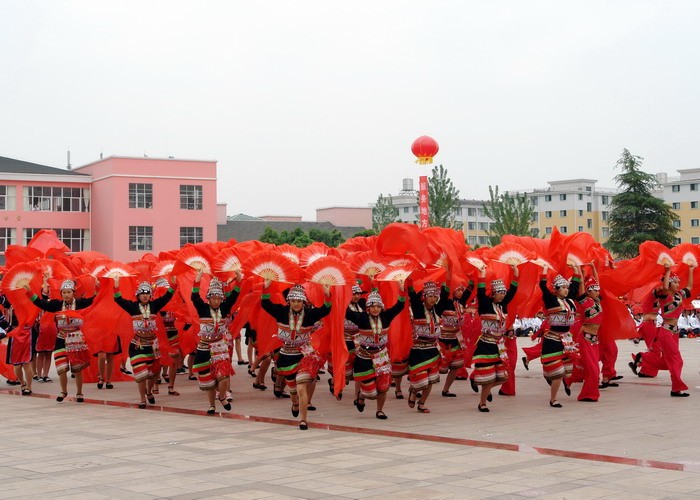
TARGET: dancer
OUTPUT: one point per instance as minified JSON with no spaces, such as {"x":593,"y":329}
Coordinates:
{"x":212,"y":361}
{"x":372,"y":368}
{"x":350,"y":329}
{"x":557,"y":344}
{"x":71,"y":352}
{"x":298,"y":362}
{"x":452,"y":344}
{"x":670,"y":298}
{"x":489,"y":356}
{"x":424,"y":356}
{"x":143,"y":348}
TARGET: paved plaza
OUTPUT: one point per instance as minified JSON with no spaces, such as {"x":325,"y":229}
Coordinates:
{"x":636,"y":442}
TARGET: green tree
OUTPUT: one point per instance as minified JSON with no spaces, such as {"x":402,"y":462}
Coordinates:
{"x":511,"y":214}
{"x":366,"y":232}
{"x":383,"y":213}
{"x":636,"y":215}
{"x":270,"y":236}
{"x":443,"y":198}
{"x":331,"y":238}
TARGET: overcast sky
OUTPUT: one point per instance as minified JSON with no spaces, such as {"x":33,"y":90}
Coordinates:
{"x":311,"y":104}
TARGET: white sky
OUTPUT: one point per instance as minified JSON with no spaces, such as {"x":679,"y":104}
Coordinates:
{"x":311,"y":104}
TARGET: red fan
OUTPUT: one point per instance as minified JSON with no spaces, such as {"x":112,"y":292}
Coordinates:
{"x":20,"y":275}
{"x":397,"y":273}
{"x":55,"y":269}
{"x":142,"y":268}
{"x":274,"y":266}
{"x":403,"y":262}
{"x":45,"y":240}
{"x":330,"y":271}
{"x":364,"y":263}
{"x":313,"y":252}
{"x":227,"y":262}
{"x":687,"y":253}
{"x":192,"y":257}
{"x":114,"y":269}
{"x":163,"y":268}
{"x":97,"y":266}
{"x":511,"y":254}
{"x":290,"y":252}
{"x":573,"y":259}
{"x":476,"y":261}
{"x":656,"y":252}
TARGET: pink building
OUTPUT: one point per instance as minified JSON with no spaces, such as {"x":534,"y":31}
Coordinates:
{"x":346,"y":216}
{"x":120,"y":206}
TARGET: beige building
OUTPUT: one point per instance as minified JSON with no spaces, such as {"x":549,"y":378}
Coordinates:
{"x":346,"y":216}
{"x":683,"y":194}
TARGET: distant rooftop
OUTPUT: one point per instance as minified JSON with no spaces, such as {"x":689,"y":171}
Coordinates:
{"x":239,"y":217}
{"x":12,"y":166}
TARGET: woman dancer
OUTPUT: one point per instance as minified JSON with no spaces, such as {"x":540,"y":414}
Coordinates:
{"x":557,"y":344}
{"x":212,"y":361}
{"x":591,"y":313}
{"x":143,"y":348}
{"x":372,"y":368}
{"x":452,"y":344}
{"x":298,"y":362}
{"x":71,"y":352}
{"x":490,"y":368}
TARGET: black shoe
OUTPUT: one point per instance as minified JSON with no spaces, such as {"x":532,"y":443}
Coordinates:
{"x":644,"y":375}
{"x":489,"y":398}
{"x":483,"y":409}
{"x":311,"y":407}
{"x":679,"y":394}
{"x":589,"y":400}
{"x":448,"y":394}
{"x":474,"y":387}
{"x":125,"y":371}
{"x":526,"y":363}
{"x":12,"y":382}
{"x":603,"y":385}
{"x":360,"y":407}
{"x":567,"y":390}
{"x":633,"y":367}
{"x":295,"y":413}
{"x":381,"y":415}
{"x":617,"y":377}
{"x":554,"y":404}
{"x":303,"y":425}
{"x":330,"y":385}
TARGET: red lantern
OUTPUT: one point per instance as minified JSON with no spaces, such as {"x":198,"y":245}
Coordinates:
{"x":425,"y":148}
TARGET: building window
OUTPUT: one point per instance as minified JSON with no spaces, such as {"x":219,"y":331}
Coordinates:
{"x":694,"y":187}
{"x":676,"y":206}
{"x":533,"y":200}
{"x":580,"y":229}
{"x":676,"y":223}
{"x":483,"y":240}
{"x":676,"y":188}
{"x":471,"y":240}
{"x":415,"y":209}
{"x":588,"y":188}
{"x":548,"y":214}
{"x":481,"y":212}
{"x":191,"y":198}
{"x":695,"y":222}
{"x":471,"y":226}
{"x":548,"y":230}
{"x":458,"y":212}
{"x":580,"y":213}
{"x":604,"y":215}
{"x":580,"y":197}
{"x":563,"y":229}
{"x":405,"y":210}
{"x":589,"y":207}
{"x":562,"y":213}
{"x":191,"y":235}
{"x":140,"y":238}
{"x":140,"y":195}
{"x":678,"y":241}
{"x":7,"y":237}
{"x":693,"y":204}
{"x":56,"y":199}
{"x":458,"y":225}
{"x":604,"y":200}
{"x":589,"y":223}
{"x":535,"y":217}
{"x":605,"y":232}
{"x":7,"y":198}
{"x":483,"y":226}
{"x":695,"y":240}
{"x":562,"y":197}
{"x":548,"y":197}
{"x":471,"y":212}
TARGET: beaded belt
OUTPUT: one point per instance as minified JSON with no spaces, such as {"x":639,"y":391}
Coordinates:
{"x":670,"y":327}
{"x":591,"y":337}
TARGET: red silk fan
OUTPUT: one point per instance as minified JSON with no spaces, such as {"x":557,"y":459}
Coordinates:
{"x":97,"y":267}
{"x":475,"y":261}
{"x":163,"y":268}
{"x":396,"y":273}
{"x":656,"y":252}
{"x":274,"y":266}
{"x":142,"y":269}
{"x":290,"y":252}
{"x":227,"y":263}
{"x":511,"y":254}
{"x":194,"y":258}
{"x":330,"y":271}
{"x":687,"y":253}
{"x":114,"y":269}
{"x":313,"y":252}
{"x":55,"y":269}
{"x":20,"y":275}
{"x":365,"y":263}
